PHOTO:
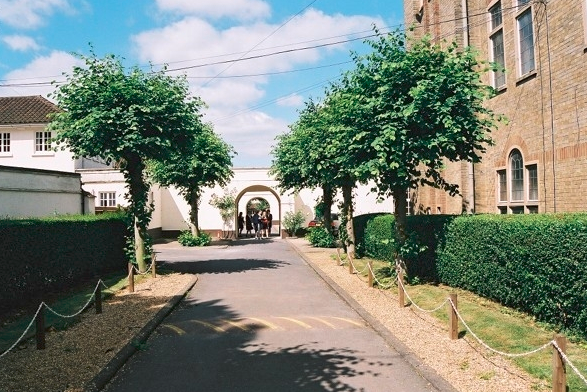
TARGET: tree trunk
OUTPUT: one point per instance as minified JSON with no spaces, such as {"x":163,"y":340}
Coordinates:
{"x":139,"y":247}
{"x":194,"y":224}
{"x":138,"y":191}
{"x":347,"y":210}
{"x":327,"y":198}
{"x":399,"y":212}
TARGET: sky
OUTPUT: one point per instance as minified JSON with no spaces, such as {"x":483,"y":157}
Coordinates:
{"x":253,"y":62}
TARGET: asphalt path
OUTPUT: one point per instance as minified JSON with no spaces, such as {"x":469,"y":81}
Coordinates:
{"x":260,"y":319}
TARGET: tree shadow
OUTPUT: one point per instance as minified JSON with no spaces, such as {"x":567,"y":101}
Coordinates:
{"x":220,"y":266}
{"x":205,"y":346}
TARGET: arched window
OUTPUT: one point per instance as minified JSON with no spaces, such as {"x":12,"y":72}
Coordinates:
{"x":516,"y":175}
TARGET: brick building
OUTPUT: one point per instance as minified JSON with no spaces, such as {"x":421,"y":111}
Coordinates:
{"x":539,"y":160}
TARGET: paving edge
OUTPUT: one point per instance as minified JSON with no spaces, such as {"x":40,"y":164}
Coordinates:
{"x":113,"y":366}
{"x":425,"y":371}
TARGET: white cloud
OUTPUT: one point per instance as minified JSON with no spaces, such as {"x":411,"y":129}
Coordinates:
{"x":51,"y":67}
{"x":28,"y":14}
{"x":20,"y":43}
{"x":236,"y":9}
{"x":293,"y":100}
{"x":198,"y":48}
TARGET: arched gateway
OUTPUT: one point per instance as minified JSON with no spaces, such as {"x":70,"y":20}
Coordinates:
{"x":260,"y":191}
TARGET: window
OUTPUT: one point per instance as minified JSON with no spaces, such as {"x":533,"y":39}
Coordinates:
{"x":532,"y":182}
{"x":503,"y":185}
{"x":496,"y":43}
{"x":517,"y":175}
{"x":525,"y":40}
{"x":107,"y":199}
{"x":517,"y":186}
{"x":4,"y":142}
{"x":42,"y":141}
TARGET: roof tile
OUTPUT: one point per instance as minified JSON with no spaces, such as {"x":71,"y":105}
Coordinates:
{"x":25,"y":110}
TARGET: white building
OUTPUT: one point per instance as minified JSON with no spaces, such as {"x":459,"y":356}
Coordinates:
{"x":25,"y":142}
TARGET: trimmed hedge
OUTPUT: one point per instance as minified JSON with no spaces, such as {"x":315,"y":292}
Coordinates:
{"x":54,"y":254}
{"x":533,"y":263}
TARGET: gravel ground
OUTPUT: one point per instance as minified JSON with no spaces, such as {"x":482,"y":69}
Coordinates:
{"x":465,"y":365}
{"x":74,"y":356}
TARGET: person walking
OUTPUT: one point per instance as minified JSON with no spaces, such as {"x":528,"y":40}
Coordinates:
{"x":256,"y":221}
{"x":249,"y":224}
{"x":269,"y":222}
{"x":241,"y":223}
{"x":264,"y":224}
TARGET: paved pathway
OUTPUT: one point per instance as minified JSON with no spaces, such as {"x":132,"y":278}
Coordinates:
{"x":260,"y":319}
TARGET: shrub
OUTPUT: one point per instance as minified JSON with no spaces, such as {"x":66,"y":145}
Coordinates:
{"x":320,"y":237}
{"x":186,"y":238}
{"x":292,"y":222}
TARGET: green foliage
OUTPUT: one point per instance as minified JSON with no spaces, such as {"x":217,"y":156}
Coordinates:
{"x":57,"y":253}
{"x":320,"y":237}
{"x":293,"y":221}
{"x":226,"y":204}
{"x":533,"y":263}
{"x":127,"y":118}
{"x":186,"y":238}
{"x":205,"y":162}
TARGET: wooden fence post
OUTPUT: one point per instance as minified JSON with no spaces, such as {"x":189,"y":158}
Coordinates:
{"x":154,"y":264}
{"x":40,"y":325}
{"x":400,"y":288}
{"x":131,"y":278}
{"x":453,"y":320}
{"x":559,"y":371}
{"x":371,"y":277}
{"x":351,"y":267}
{"x":98,"y":298}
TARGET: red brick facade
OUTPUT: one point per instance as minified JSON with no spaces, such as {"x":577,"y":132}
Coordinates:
{"x":539,"y":160}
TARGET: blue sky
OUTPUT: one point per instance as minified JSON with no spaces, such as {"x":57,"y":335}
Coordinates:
{"x":249,"y":101}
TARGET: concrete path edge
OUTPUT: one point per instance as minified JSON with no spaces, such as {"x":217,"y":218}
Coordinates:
{"x":424,"y":370}
{"x":109,"y":371}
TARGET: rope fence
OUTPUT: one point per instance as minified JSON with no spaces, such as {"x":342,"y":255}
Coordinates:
{"x":560,"y":359}
{"x":96,"y":297}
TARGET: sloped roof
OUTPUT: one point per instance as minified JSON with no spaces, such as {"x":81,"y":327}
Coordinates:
{"x":25,"y":110}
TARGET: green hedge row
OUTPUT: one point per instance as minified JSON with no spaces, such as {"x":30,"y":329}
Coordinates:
{"x":52,"y":255}
{"x":533,"y":263}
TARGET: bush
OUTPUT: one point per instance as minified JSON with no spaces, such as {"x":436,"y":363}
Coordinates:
{"x":55,"y":254}
{"x":320,"y":237}
{"x":292,"y":222}
{"x":533,"y":263}
{"x":186,"y":238}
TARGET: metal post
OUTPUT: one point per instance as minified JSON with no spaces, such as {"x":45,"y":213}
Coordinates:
{"x":40,"y":325}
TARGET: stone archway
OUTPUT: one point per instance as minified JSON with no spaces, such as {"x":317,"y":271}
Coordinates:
{"x":260,"y":189}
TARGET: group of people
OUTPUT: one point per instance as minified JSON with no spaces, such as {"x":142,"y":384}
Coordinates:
{"x":257,"y":224}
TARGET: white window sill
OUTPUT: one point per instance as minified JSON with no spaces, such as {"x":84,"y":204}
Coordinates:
{"x":44,"y":154}
{"x":5,"y":155}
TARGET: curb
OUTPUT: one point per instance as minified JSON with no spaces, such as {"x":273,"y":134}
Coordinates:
{"x":109,"y":371}
{"x":426,"y":372}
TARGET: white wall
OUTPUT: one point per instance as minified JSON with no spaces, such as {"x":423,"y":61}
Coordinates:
{"x":22,"y":154}
{"x":35,"y":193}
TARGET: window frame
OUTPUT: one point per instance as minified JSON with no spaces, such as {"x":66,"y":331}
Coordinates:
{"x":5,"y":144}
{"x":530,"y":182}
{"x":107,"y":198}
{"x":43,"y":143}
{"x":524,"y":9}
{"x":495,"y":27}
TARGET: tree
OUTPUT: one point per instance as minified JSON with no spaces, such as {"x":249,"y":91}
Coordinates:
{"x":129,"y":118}
{"x":226,"y":204}
{"x":206,"y":162}
{"x":416,"y":107}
